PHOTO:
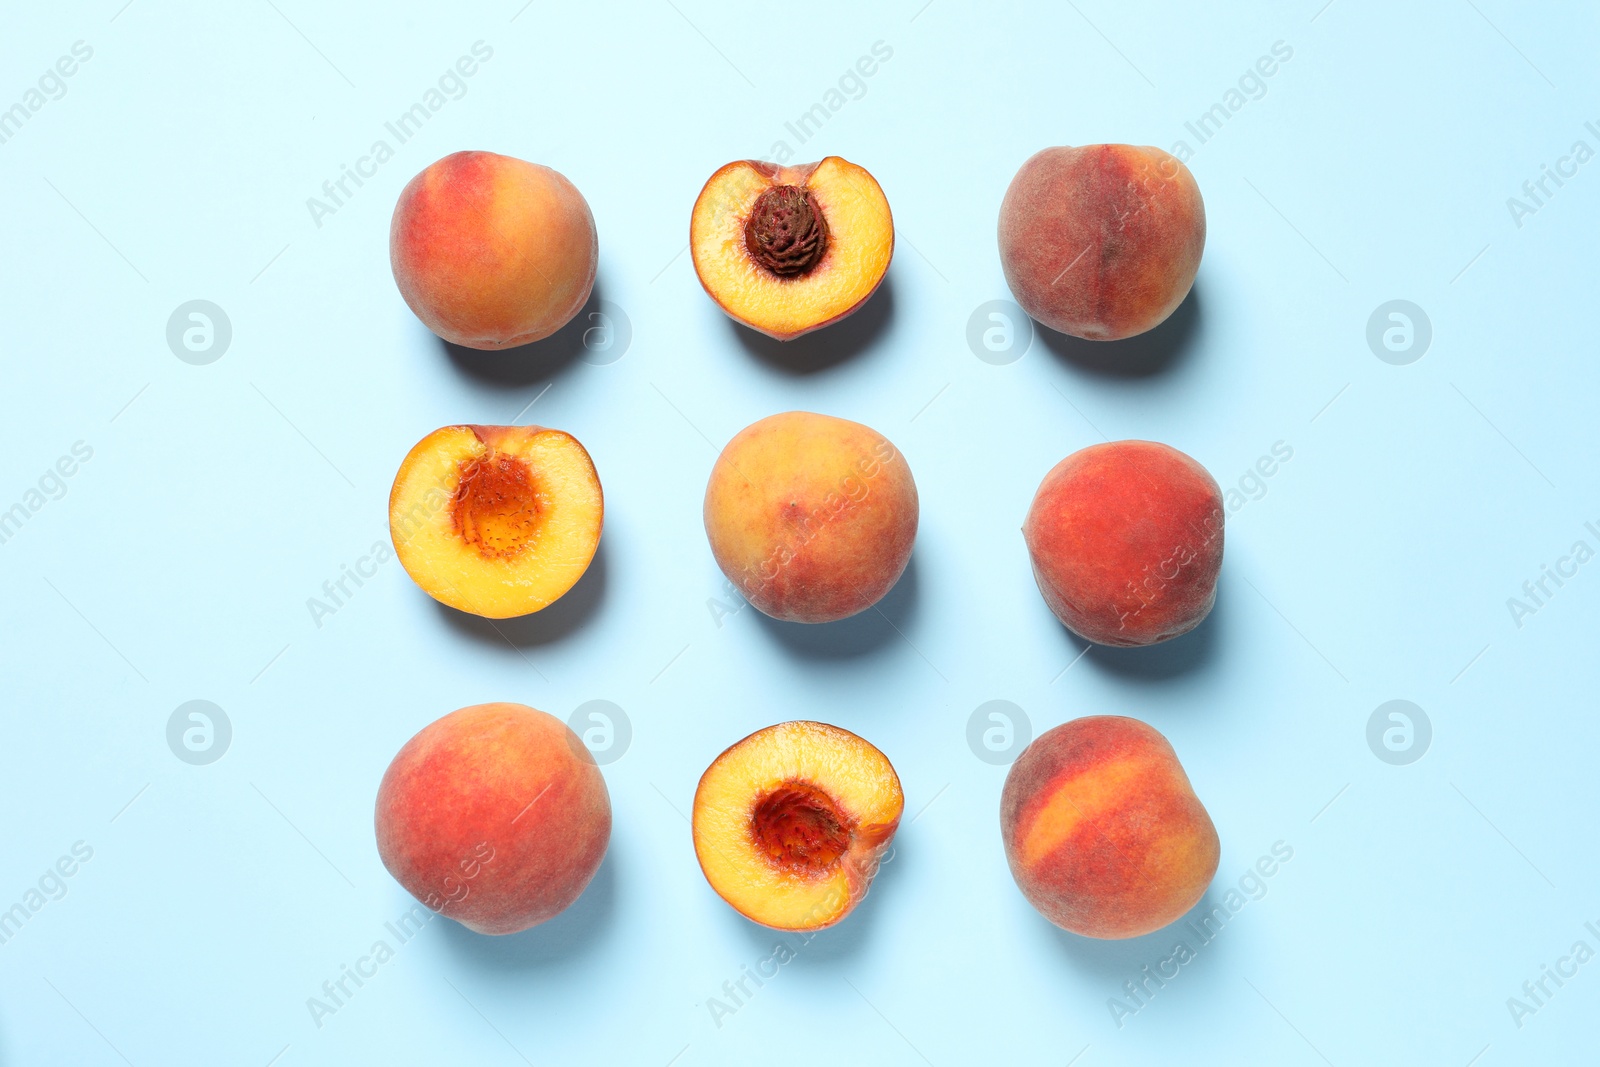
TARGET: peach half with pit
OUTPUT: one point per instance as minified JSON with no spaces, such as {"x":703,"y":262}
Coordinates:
{"x":787,"y":250}
{"x":791,"y":824}
{"x":498,"y":521}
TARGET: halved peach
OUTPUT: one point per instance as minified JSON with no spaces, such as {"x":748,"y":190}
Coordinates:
{"x":496,"y":520}
{"x":791,"y":823}
{"x":786,"y":250}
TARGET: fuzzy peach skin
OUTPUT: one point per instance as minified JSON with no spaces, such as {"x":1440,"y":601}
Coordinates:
{"x":1126,"y":542}
{"x":1102,"y":241}
{"x":491,"y":251}
{"x":495,"y":816}
{"x":1103,"y":832}
{"x":810,"y":516}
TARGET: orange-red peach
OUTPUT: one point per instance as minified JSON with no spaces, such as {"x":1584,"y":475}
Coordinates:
{"x":787,"y":250}
{"x":1126,"y":542}
{"x":1101,"y":241}
{"x":810,"y":516}
{"x":1103,"y":832}
{"x":791,"y":824}
{"x":495,"y":816}
{"x":491,"y":251}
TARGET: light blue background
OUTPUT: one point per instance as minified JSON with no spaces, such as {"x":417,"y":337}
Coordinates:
{"x":1377,"y":566}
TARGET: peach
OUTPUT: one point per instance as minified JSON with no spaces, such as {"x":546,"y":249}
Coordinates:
{"x":810,"y":516}
{"x":1102,"y":829}
{"x":1101,"y":241}
{"x":791,"y":824}
{"x":1126,"y":541}
{"x":787,"y":250}
{"x":495,"y":816}
{"x":496,"y":520}
{"x":491,"y":251}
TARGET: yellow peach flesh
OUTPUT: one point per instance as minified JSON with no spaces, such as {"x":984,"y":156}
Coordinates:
{"x":496,"y":520}
{"x":860,"y":245}
{"x":760,"y":870}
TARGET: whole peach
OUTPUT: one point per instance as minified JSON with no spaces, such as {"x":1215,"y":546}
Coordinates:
{"x":1101,"y":241}
{"x":810,"y":516}
{"x":491,"y":251}
{"x":495,"y":816}
{"x":1103,"y":831}
{"x":1126,"y":541}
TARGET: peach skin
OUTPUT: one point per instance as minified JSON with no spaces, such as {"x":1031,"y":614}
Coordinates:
{"x":1103,"y":832}
{"x":1102,"y":241}
{"x":1126,"y":542}
{"x":495,"y":816}
{"x":491,"y":251}
{"x":810,"y":516}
